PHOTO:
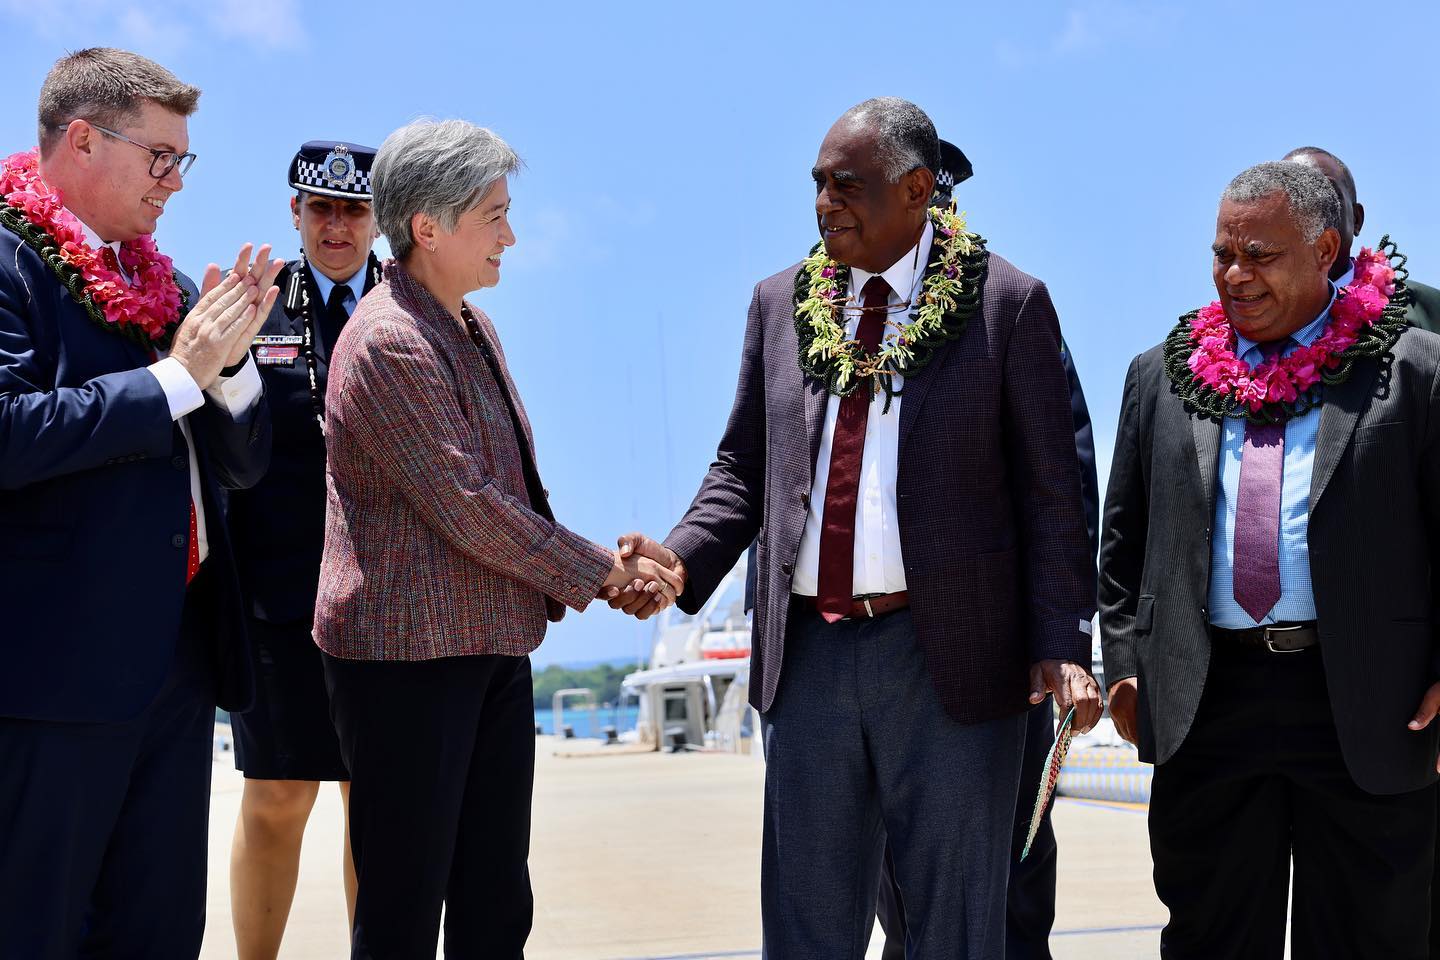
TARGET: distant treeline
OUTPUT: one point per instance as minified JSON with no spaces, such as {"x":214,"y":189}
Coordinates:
{"x":603,"y":680}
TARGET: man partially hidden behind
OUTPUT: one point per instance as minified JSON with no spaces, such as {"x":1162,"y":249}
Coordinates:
{"x":923,"y":567}
{"x":1423,"y":310}
{"x":1267,"y":592}
{"x":121,"y":417}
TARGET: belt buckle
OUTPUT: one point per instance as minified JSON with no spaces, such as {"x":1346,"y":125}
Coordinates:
{"x":1270,"y":644}
{"x":864,"y":600}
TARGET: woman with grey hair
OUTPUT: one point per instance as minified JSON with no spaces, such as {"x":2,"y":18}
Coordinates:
{"x":442,"y":564}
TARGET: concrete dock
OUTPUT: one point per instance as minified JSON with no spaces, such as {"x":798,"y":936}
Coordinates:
{"x":657,"y":857}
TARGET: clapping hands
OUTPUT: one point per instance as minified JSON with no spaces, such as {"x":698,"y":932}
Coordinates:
{"x":217,"y":331}
{"x":653,"y":577}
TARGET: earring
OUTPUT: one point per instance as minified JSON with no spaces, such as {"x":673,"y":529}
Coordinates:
{"x":432,"y":248}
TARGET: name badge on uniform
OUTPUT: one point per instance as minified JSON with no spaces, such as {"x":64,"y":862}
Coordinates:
{"x":277,"y":350}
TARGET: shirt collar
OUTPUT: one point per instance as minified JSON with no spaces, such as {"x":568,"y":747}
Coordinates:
{"x":92,"y":238}
{"x":903,"y":273}
{"x":355,"y":283}
{"x":1303,"y":337}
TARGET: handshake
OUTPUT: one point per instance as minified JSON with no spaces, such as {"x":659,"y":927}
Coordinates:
{"x":645,"y":577}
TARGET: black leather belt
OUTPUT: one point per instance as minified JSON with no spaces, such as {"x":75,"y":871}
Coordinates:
{"x":1275,"y":637}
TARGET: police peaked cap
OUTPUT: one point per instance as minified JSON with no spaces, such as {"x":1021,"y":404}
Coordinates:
{"x":333,"y":168}
{"x":954,"y":168}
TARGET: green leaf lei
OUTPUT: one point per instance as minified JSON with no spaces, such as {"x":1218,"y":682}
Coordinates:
{"x":70,"y":277}
{"x":949,"y":296}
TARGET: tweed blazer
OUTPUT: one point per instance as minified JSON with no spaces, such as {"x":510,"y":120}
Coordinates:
{"x":1374,"y":538}
{"x":432,"y":548}
{"x":992,"y":523}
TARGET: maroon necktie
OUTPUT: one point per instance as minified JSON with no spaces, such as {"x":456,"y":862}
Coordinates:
{"x":1256,"y":568}
{"x":107,"y":257}
{"x":835,"y":581}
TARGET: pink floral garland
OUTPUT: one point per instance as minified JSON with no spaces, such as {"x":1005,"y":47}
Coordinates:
{"x":148,"y":310}
{"x":1286,"y":379}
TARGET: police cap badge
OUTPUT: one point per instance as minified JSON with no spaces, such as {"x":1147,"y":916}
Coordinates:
{"x":333,"y":168}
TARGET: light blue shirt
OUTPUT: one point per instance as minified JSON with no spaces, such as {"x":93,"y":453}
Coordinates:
{"x":355,"y":283}
{"x":1297,"y":597}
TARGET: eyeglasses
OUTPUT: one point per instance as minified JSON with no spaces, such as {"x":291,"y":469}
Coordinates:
{"x":161,"y":161}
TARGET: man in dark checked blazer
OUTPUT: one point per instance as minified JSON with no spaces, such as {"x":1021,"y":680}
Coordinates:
{"x":921,"y":581}
{"x":1267,"y":608}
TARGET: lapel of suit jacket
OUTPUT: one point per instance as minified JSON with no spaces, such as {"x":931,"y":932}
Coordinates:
{"x":290,"y":305}
{"x":1206,"y":434}
{"x":507,"y":386}
{"x":816,"y":399}
{"x":917,"y":385}
{"x":1343,"y":406}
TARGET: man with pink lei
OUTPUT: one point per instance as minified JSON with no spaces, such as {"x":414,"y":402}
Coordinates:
{"x":1267,"y":591}
{"x":127,"y":401}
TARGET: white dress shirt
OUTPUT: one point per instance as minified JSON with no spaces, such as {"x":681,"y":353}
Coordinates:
{"x":235,"y":395}
{"x":879,"y":568}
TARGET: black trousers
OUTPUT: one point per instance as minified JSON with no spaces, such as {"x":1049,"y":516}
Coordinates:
{"x":1030,"y":894}
{"x":1435,"y":906}
{"x":104,"y":826}
{"x":442,"y":763}
{"x":1259,"y":782}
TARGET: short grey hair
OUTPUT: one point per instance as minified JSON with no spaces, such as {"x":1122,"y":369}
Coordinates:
{"x":905,"y":135}
{"x":437,"y":167}
{"x":1314,"y":204}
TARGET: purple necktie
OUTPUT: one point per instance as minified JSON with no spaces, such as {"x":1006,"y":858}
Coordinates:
{"x":1257,"y":513}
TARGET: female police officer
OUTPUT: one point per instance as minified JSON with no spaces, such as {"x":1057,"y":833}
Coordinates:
{"x":286,"y":744}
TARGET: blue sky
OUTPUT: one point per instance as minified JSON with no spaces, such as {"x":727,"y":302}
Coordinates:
{"x":668,"y":149}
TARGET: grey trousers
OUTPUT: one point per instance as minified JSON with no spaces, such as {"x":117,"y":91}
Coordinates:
{"x":857,"y":745}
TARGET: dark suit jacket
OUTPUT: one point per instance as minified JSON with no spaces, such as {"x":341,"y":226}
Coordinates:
{"x":1424,"y":309}
{"x":1374,"y":539}
{"x":94,"y":511}
{"x":992,"y":526}
{"x":279,"y":523}
{"x":1084,"y":449}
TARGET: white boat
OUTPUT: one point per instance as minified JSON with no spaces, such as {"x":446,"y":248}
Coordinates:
{"x":695,"y":693}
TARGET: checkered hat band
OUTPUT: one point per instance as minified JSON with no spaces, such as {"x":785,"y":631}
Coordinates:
{"x":313,"y":175}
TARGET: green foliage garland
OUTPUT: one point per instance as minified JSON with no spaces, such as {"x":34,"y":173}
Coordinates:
{"x":950,"y":293}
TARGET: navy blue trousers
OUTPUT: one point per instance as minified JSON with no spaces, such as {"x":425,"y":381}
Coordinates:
{"x":105,"y":825}
{"x":858,"y":747}
{"x":1030,"y":897}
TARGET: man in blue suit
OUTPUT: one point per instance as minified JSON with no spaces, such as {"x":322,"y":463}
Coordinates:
{"x":122,"y":416}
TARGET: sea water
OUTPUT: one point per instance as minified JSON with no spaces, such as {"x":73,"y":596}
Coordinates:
{"x":589,"y":723}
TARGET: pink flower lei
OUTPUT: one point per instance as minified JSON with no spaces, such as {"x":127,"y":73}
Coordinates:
{"x":1201,"y":359}
{"x":146,"y":311}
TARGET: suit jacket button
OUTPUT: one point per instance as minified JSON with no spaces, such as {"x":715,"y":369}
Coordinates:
{"x":178,"y":541}
{"x":787,"y":568}
{"x":179,"y":463}
{"x":805,"y":500}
